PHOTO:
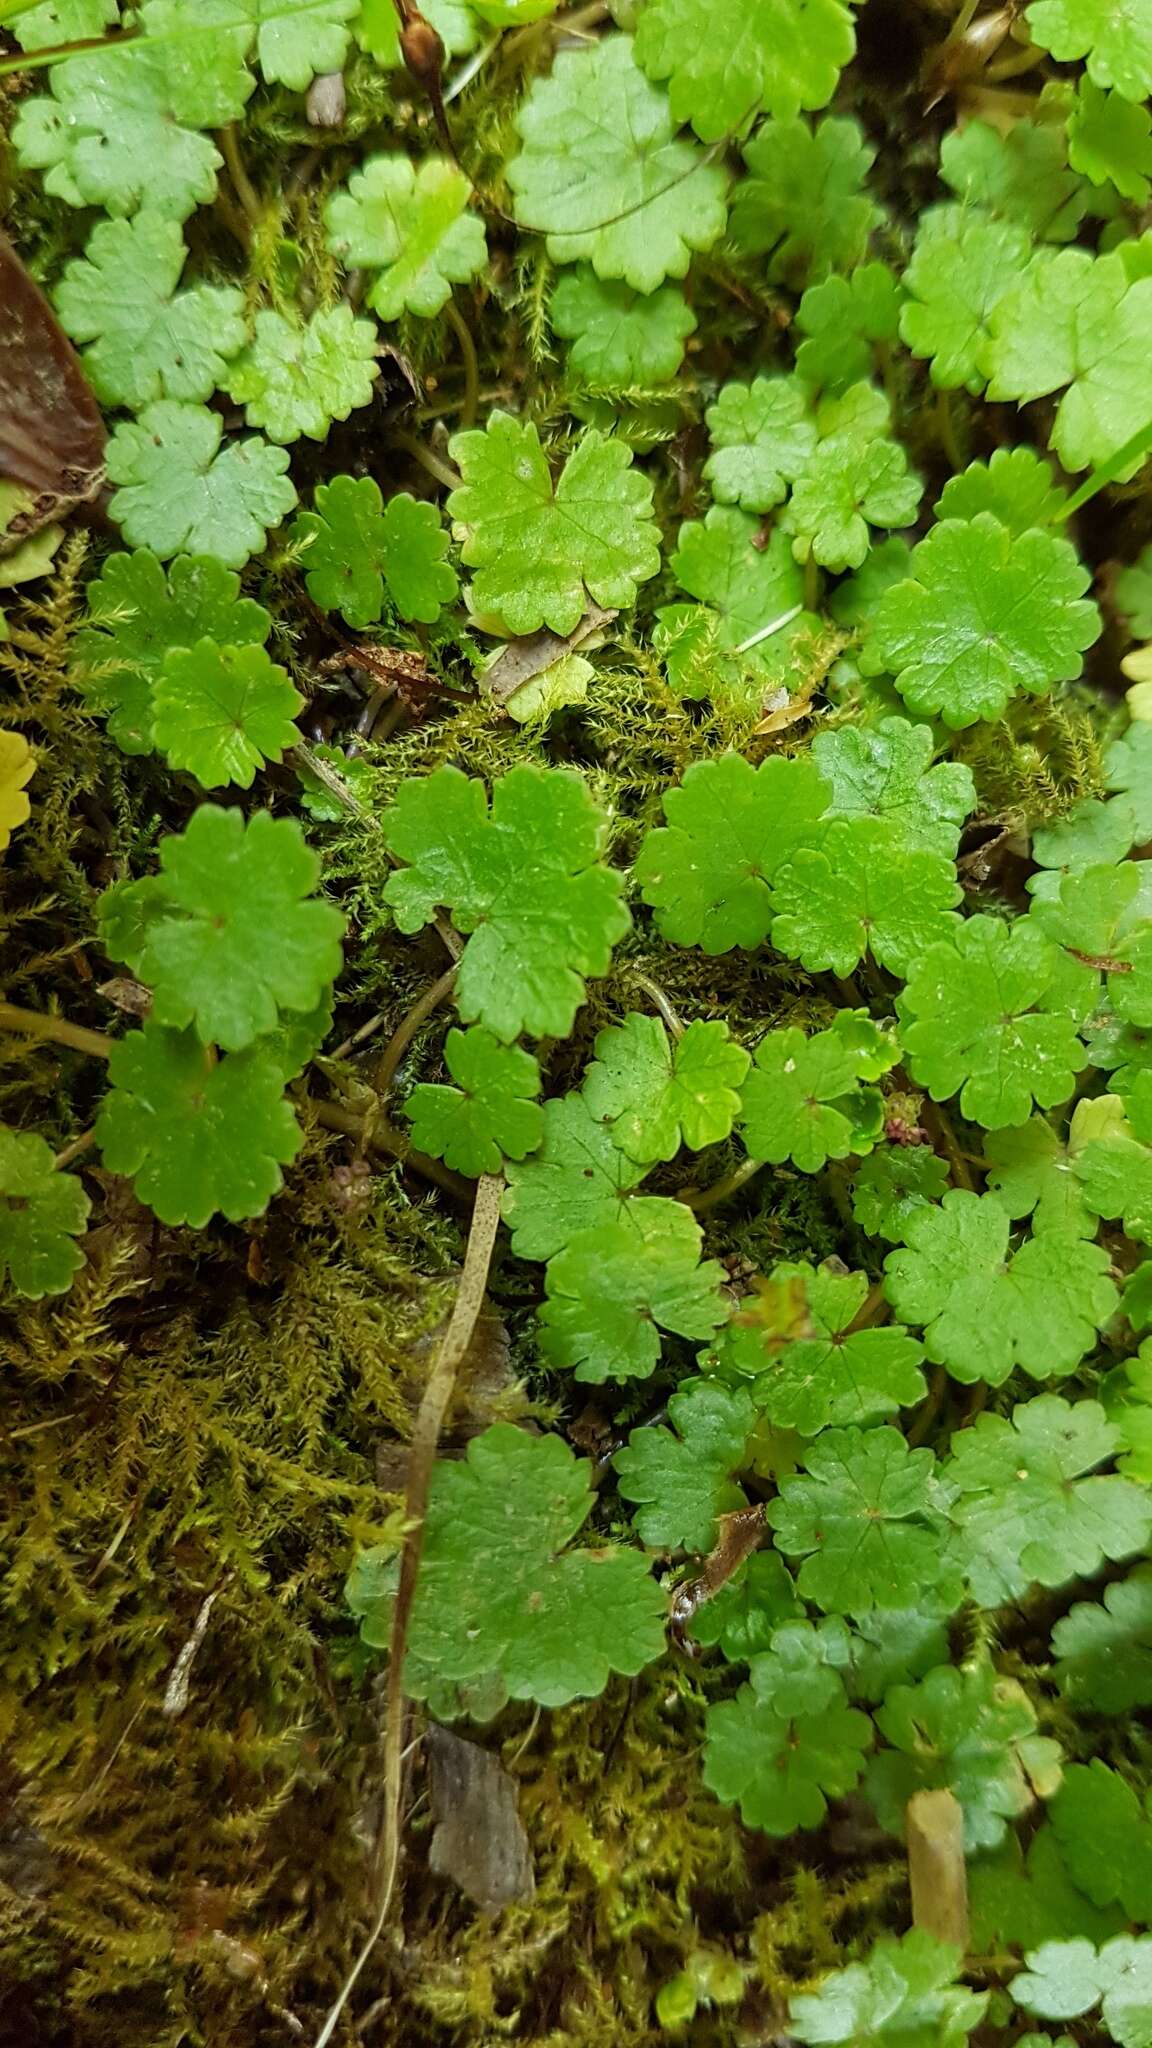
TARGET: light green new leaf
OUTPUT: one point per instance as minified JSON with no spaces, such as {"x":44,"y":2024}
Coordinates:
{"x":984,"y":614}
{"x":681,"y":1481}
{"x":576,"y":1181}
{"x":781,"y":1769}
{"x":1103,"y":1654}
{"x":613,"y":1288}
{"x":233,"y":941}
{"x":1114,"y":1164}
{"x":410,"y":223}
{"x":985,"y":1314}
{"x":222,"y":712}
{"x":763,"y":435}
{"x":61,"y":21}
{"x":1033,"y":1173}
{"x":293,"y":40}
{"x":136,"y":614}
{"x":1110,"y":141}
{"x":905,"y":1992}
{"x":42,"y":1212}
{"x":1128,"y":762}
{"x":861,"y":890}
{"x":832,"y":1374}
{"x":985,"y":1016}
{"x":1077,"y":320}
{"x":196,"y":1135}
{"x":180,"y":493}
{"x":526,"y":879}
{"x":120,"y":129}
{"x":1016,"y":485}
{"x":963,"y":262}
{"x":1117,"y":41}
{"x":849,"y":484}
{"x":1132,"y":592}
{"x":543,"y":549}
{"x":803,"y":1099}
{"x":1021,"y":175}
{"x":603,"y":175}
{"x":1026,"y":1513}
{"x":803,"y":203}
{"x":726,"y":61}
{"x":296,"y":377}
{"x":493,"y":1114}
{"x":969,"y":1732}
{"x":655,"y":1096}
{"x":868,"y":1518}
{"x":845,"y":319}
{"x":355,"y":547}
{"x":148,"y":340}
{"x":620,"y":337}
{"x":502,"y":1592}
{"x":731,"y":828}
{"x":885,"y":771}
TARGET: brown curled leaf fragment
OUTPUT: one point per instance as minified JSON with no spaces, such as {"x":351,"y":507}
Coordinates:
{"x":51,"y":433}
{"x":740,"y":1535}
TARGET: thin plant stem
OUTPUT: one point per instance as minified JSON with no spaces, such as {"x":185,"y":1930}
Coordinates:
{"x":766,"y":632}
{"x":940,"y":1126}
{"x":463,"y":333}
{"x":229,"y":140}
{"x":421,"y":1461}
{"x":376,"y":1134}
{"x":811,"y":584}
{"x":75,"y":1149}
{"x":443,"y":472}
{"x":946,"y":429}
{"x":37,"y":1024}
{"x":929,"y":1408}
{"x":709,"y":1198}
{"x":406,"y":1031}
{"x":656,"y":996}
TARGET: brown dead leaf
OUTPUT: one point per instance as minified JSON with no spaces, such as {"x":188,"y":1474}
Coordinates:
{"x":479,"y":1839}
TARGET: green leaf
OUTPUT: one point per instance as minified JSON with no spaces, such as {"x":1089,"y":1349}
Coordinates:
{"x":356,"y":548}
{"x":1114,"y":1169}
{"x":885,"y":771}
{"x":763,"y":435}
{"x":293,"y":40}
{"x":868,"y":1520}
{"x":905,"y":1993}
{"x":543,"y":548}
{"x":1103,"y":1653}
{"x":119,"y":130}
{"x":725,"y":62}
{"x":984,"y":1015}
{"x":861,"y":890}
{"x":1132,"y":592}
{"x":1016,"y":485}
{"x":781,"y":1769}
{"x":180,"y":493}
{"x":41,"y":1213}
{"x":985,"y":1314}
{"x":61,"y":21}
{"x":148,"y":340}
{"x":1091,"y":834}
{"x":1110,"y":141}
{"x":297,"y":376}
{"x":614,"y":1287}
{"x":1105,"y":1838}
{"x":722,"y":561}
{"x":803,"y":203}
{"x":731,"y":828}
{"x":892,"y":1185}
{"x":603,"y":176}
{"x":1117,"y":42}
{"x":223,"y":712}
{"x":681,"y":1480}
{"x":969,"y":1731}
{"x":1022,"y":175}
{"x":620,"y":337}
{"x":1017,"y":1903}
{"x":410,"y":223}
{"x":501,"y":1591}
{"x":963,"y":262}
{"x":803,"y":1099}
{"x":491,"y":1116}
{"x":744,"y":1615}
{"x":844,"y":320}
{"x":655,"y":1096}
{"x":1128,"y":762}
{"x":1102,"y":916}
{"x":849,"y":484}
{"x":1076,"y":320}
{"x":377,"y":28}
{"x":576,"y":1181}
{"x":136,"y":616}
{"x":234,"y":941}
{"x":196,"y":1135}
{"x":1025,"y":1513}
{"x":832,"y":1373}
{"x":1065,"y":1979}
{"x":983,"y":615}
{"x":1032,"y":1173}
{"x":526,"y":879}
{"x":1062,"y":1980}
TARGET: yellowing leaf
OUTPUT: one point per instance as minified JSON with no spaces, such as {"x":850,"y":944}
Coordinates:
{"x":17,"y":766}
